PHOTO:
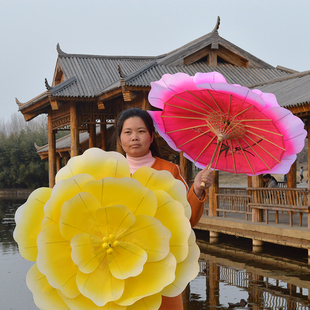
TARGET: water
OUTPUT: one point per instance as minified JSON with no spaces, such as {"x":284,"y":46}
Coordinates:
{"x":229,"y":272}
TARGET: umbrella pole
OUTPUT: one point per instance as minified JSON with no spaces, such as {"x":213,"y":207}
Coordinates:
{"x":219,"y":140}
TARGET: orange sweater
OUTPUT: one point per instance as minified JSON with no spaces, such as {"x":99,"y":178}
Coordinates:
{"x":197,"y":205}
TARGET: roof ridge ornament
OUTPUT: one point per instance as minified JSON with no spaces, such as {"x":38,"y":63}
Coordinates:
{"x":18,"y":102}
{"x":217,"y":26}
{"x":120,"y":72}
{"x":59,"y":50}
{"x":47,"y":86}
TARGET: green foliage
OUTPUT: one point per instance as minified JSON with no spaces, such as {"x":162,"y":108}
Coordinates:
{"x":20,"y":165}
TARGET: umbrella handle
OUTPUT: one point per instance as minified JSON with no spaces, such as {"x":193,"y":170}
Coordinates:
{"x":219,"y":140}
{"x":203,"y":184}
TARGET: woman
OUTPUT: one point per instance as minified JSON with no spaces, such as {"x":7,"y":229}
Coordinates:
{"x":136,"y":133}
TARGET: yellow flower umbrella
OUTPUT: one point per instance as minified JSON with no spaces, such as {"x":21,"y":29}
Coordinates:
{"x":103,"y":239}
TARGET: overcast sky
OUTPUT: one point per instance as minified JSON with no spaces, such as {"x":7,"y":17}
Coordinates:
{"x":276,"y":31}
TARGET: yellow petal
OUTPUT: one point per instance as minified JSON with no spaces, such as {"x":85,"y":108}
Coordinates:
{"x":28,"y":219}
{"x":44,"y":295}
{"x":152,"y":302}
{"x":63,"y":191}
{"x":164,"y":180}
{"x":152,"y":280}
{"x":96,"y":162}
{"x":149,"y":234}
{"x":100,"y":286}
{"x":114,"y":220}
{"x":81,"y":302}
{"x":125,"y":191}
{"x":87,"y":252}
{"x":186,"y":271}
{"x":54,"y":260}
{"x":169,"y":212}
{"x":78,"y":215}
{"x":126,"y":260}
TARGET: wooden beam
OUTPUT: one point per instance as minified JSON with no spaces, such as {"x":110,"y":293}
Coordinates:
{"x":212,"y":59}
{"x":55,"y":104}
{"x":196,"y":56}
{"x":232,"y":58}
{"x":100,"y":105}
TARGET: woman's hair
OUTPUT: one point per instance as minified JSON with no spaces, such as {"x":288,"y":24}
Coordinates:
{"x":148,"y":121}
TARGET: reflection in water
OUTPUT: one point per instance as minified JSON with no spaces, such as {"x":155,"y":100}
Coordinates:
{"x":229,"y":278}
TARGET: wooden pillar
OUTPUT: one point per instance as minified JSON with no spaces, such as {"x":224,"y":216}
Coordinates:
{"x":291,"y":176}
{"x":51,"y":151}
{"x":185,"y":166}
{"x":58,"y":162}
{"x":257,"y":215}
{"x":74,"y":123}
{"x":103,"y":136}
{"x":92,"y":135}
{"x":214,"y":286}
{"x":213,"y":190}
{"x":145,"y":103}
{"x":67,"y":157}
{"x":250,"y":181}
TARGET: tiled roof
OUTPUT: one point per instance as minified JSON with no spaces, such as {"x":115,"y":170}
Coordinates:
{"x":90,"y":76}
{"x":290,"y":91}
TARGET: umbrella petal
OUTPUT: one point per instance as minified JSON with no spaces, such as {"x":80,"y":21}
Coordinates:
{"x":44,"y":295}
{"x":62,"y":191}
{"x":185,"y":271}
{"x":100,"y":286}
{"x":167,"y":86}
{"x":284,"y":166}
{"x":87,"y":252}
{"x":156,"y":115}
{"x":97,"y":163}
{"x":107,"y":191}
{"x":164,"y":180}
{"x":208,"y":78}
{"x":28,"y":219}
{"x":156,"y":245}
{"x":50,"y":242}
{"x":126,"y":260}
{"x":78,"y":215}
{"x":81,"y":302}
{"x":161,"y":272}
{"x":269,"y":98}
{"x":169,"y":212}
{"x":114,"y":220}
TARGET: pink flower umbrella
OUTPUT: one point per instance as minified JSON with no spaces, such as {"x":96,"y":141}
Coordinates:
{"x":226,"y":127}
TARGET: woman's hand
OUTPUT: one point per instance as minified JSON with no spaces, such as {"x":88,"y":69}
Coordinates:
{"x":202,"y":181}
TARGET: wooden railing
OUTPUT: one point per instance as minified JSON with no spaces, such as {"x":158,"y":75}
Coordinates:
{"x":271,"y":200}
{"x":280,"y":201}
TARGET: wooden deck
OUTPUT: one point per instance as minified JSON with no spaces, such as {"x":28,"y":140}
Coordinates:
{"x":275,"y":215}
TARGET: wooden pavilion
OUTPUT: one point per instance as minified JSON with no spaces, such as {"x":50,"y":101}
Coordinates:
{"x":88,"y":91}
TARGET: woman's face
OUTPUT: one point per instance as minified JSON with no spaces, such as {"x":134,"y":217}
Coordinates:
{"x":135,"y":139}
